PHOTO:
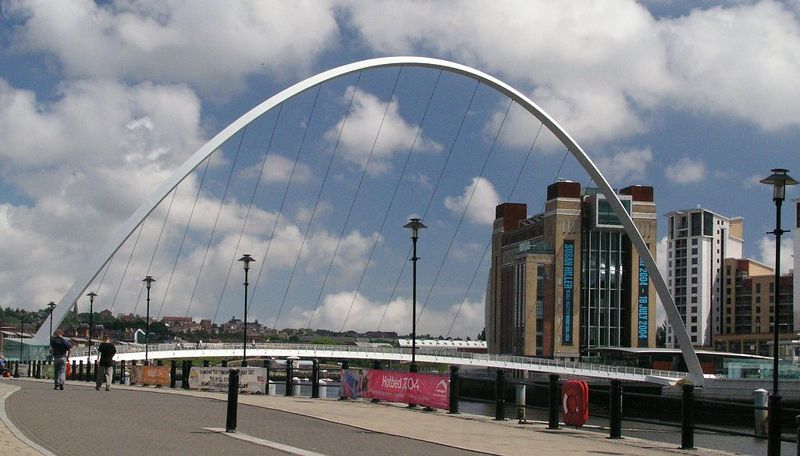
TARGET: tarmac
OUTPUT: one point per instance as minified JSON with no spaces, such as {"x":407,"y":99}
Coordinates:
{"x":458,"y":431}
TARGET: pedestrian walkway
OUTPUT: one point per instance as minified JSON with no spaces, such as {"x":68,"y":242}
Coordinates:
{"x":466,"y":432}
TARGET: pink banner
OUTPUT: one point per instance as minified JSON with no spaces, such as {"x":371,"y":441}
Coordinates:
{"x":428,"y":390}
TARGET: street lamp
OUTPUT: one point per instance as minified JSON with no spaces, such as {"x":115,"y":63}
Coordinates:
{"x":414,"y":226}
{"x":21,"y":330}
{"x":779,"y":180}
{"x":246,"y":259}
{"x":148,"y":281}
{"x":91,"y":296}
{"x":52,"y":306}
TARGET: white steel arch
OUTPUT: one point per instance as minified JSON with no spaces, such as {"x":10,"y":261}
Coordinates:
{"x":89,"y":270}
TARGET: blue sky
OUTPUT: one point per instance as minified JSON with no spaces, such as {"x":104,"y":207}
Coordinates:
{"x":100,"y":102}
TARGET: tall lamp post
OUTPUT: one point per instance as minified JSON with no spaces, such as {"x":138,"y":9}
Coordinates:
{"x":414,"y":225}
{"x":148,"y":281}
{"x":779,"y":180}
{"x":21,"y":330}
{"x":52,"y":306}
{"x":91,"y":296}
{"x":246,"y":259}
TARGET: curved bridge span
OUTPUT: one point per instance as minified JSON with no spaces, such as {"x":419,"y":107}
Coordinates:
{"x":435,"y":356}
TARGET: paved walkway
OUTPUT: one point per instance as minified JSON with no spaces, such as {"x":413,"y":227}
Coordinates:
{"x":467,"y":432}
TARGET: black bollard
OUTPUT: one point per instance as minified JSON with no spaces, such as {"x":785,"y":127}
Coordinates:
{"x":122,"y":372}
{"x":224,"y":363}
{"x":16,"y":369}
{"x":266,"y":366}
{"x":81,"y":372}
{"x":173,"y":371}
{"x":376,"y":365}
{"x":88,"y":376}
{"x":499,"y":396}
{"x":73,"y":373}
{"x":687,"y":417}
{"x":233,"y":400}
{"x":454,"y":387}
{"x":615,"y":409}
{"x":186,"y":372}
{"x":797,"y":422}
{"x":36,"y":367}
{"x":553,"y":402}
{"x":315,"y":378}
{"x":289,"y":372}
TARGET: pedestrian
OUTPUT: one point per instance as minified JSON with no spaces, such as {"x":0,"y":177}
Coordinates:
{"x":59,"y":347}
{"x":107,"y":351}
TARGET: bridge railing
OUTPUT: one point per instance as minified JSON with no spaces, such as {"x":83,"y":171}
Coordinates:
{"x":451,"y":355}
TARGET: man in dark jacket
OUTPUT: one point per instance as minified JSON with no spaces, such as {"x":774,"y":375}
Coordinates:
{"x":59,"y":346}
{"x":107,"y":351}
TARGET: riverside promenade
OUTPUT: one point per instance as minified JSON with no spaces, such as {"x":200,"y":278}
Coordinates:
{"x":149,"y":420}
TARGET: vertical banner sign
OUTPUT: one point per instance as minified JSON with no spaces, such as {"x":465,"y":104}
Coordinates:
{"x":568,"y":276}
{"x":644,"y":301}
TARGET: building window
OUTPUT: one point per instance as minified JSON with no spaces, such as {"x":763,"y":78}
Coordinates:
{"x":694,"y":319}
{"x":694,"y":251}
{"x":694,"y":241}
{"x":694,"y":290}
{"x":694,"y":260}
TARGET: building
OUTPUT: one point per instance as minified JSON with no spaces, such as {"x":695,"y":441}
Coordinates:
{"x":796,"y":270}
{"x":567,"y":281}
{"x":698,"y":241}
{"x":749,"y":310}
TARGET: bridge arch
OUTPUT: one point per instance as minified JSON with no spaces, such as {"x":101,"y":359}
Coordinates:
{"x":89,"y":270}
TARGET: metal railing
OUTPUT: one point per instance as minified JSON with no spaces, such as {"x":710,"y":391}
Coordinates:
{"x":435,"y":355}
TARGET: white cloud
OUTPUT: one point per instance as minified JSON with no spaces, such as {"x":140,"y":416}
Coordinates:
{"x":599,"y":67}
{"x":629,"y":165}
{"x":766,"y":248}
{"x":211,"y":44}
{"x":279,"y":169}
{"x":479,"y":199}
{"x":363,"y":125}
{"x":362,"y":314}
{"x":686,"y":171}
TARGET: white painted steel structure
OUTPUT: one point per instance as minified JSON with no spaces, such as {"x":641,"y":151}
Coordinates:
{"x":90,"y":269}
{"x":436,"y":356}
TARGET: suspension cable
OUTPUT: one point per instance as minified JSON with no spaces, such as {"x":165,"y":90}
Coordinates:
{"x":249,"y":209}
{"x":185,"y":231}
{"x":385,"y":214}
{"x":285,"y":193}
{"x":216,"y":219}
{"x":155,"y":249}
{"x":489,"y":244}
{"x":335,"y":148}
{"x":125,"y":271}
{"x":433,"y":194}
{"x":464,"y":212}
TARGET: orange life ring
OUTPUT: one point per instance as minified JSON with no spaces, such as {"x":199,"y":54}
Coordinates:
{"x":575,"y":402}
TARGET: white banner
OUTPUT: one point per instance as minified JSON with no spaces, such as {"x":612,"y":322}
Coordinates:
{"x":251,"y":379}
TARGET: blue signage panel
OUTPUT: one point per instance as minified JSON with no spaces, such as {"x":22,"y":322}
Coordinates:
{"x":643,"y":306}
{"x":568,"y":285}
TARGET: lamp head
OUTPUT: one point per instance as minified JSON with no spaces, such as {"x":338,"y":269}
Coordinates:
{"x":91,"y":295}
{"x":51,"y":305}
{"x":779,"y":180}
{"x":247,"y":259}
{"x":148,"y":280}
{"x":414,"y":225}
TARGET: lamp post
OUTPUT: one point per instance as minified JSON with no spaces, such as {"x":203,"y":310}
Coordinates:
{"x":52,"y":306}
{"x":246,"y":259}
{"x":21,"y":330}
{"x":779,"y":180}
{"x":148,"y":281}
{"x":91,"y":296}
{"x":414,"y":225}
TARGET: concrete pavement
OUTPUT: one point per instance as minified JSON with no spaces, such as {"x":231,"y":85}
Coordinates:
{"x":463,"y":431}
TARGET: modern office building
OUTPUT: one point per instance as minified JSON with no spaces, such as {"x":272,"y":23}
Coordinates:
{"x":698,"y":241}
{"x":566,"y":281}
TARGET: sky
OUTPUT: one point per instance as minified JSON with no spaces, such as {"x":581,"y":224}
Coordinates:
{"x":100,"y":102}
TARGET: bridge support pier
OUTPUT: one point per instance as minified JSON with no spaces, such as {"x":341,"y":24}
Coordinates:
{"x":615,"y":409}
{"x":185,"y":375}
{"x":520,"y":400}
{"x":173,"y":371}
{"x":454,"y":389}
{"x":376,"y":365}
{"x":266,"y":366}
{"x":553,"y":402}
{"x":499,"y":396}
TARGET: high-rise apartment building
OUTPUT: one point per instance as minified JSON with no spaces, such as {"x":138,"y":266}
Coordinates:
{"x":698,"y":241}
{"x":568,"y":280}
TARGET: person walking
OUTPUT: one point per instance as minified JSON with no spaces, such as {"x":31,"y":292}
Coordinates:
{"x":59,"y":347}
{"x":107,"y":351}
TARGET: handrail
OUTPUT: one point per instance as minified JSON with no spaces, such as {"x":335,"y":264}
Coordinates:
{"x":487,"y":359}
